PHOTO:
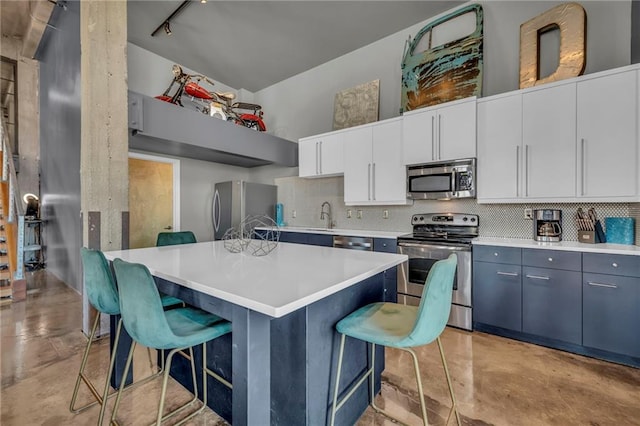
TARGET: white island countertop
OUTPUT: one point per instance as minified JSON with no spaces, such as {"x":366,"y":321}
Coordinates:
{"x":562,"y":245}
{"x":288,"y":278}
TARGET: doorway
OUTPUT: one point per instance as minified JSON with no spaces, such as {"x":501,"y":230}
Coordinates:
{"x":154,"y":198}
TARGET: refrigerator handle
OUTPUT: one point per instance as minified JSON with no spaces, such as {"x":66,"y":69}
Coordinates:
{"x":215,"y":211}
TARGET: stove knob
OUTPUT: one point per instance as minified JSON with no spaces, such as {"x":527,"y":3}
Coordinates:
{"x":422,"y":218}
{"x":464,"y":219}
{"x":473,"y":219}
{"x":415,"y":218}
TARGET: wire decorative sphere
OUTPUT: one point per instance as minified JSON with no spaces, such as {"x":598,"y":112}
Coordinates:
{"x":259,"y":242}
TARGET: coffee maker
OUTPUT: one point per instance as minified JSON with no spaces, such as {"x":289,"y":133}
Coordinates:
{"x":547,"y":225}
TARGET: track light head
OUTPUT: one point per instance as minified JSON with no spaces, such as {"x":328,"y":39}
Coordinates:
{"x":167,"y":28}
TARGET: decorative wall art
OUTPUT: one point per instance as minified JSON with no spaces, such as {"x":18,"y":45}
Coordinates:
{"x":357,"y":105}
{"x":447,"y":71}
{"x":570,"y":20}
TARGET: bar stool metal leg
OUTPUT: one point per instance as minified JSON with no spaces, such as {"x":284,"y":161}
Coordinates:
{"x":454,"y":406}
{"x":82,"y":377}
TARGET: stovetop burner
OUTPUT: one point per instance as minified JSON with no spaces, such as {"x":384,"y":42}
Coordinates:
{"x":458,"y":228}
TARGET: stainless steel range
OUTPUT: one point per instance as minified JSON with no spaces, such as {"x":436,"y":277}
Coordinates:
{"x":435,"y":236}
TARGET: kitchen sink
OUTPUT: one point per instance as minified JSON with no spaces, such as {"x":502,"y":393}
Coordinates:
{"x":319,"y":229}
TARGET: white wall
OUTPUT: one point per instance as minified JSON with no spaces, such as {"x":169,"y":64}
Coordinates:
{"x":150,"y":74}
{"x":303,"y":105}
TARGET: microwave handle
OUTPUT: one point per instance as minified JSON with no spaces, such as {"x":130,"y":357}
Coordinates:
{"x":454,"y":182}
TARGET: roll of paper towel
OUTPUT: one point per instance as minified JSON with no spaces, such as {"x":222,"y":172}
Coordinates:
{"x":620,"y":230}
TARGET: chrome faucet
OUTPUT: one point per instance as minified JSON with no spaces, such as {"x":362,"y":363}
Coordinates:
{"x":326,"y":214}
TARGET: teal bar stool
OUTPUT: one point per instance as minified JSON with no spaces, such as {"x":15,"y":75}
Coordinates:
{"x":402,"y":327}
{"x":173,"y":238}
{"x":103,"y":295}
{"x":177,"y":330}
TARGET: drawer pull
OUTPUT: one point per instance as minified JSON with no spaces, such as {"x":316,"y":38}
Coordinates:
{"x":614,"y":264}
{"x":510,"y":274}
{"x":538,"y":277}
{"x":495,"y":254}
{"x":551,"y":259}
{"x":602,"y":285}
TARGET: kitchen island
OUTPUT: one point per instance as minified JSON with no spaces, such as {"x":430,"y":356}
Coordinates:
{"x":282,"y":352}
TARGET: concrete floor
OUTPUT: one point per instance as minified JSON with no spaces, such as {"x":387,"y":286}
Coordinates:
{"x":497,"y":381}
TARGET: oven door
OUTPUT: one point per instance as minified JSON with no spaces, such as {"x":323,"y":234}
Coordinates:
{"x":413,"y":274}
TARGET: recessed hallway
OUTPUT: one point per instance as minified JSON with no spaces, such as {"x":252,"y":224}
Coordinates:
{"x":497,"y":381}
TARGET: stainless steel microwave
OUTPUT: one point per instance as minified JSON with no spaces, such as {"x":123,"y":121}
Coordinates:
{"x":442,"y":181}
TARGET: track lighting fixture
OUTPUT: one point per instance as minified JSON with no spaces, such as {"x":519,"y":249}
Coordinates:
{"x":203,"y":1}
{"x":165,"y":24}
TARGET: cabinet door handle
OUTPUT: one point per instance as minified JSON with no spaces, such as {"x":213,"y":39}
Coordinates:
{"x":320,"y":157}
{"x":369,"y":181}
{"x":439,"y":136}
{"x":594,"y":284}
{"x":517,"y":170}
{"x":317,"y":158}
{"x":373,"y":182}
{"x":509,"y":274}
{"x":526,"y":170}
{"x":584,"y":165}
{"x":537,"y":277}
{"x":433,"y":138}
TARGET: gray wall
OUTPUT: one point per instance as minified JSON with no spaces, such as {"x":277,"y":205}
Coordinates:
{"x":59,"y":56}
{"x":303,"y":105}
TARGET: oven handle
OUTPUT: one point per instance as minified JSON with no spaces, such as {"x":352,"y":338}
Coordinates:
{"x":433,"y":246}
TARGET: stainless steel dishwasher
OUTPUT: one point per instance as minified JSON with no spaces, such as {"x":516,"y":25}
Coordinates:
{"x":353,"y":243}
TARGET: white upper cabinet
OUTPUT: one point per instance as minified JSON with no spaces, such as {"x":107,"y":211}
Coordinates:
{"x":573,"y":141}
{"x":549,"y":142}
{"x":358,"y":154}
{"x":389,"y":174}
{"x":375,"y":175}
{"x":607,"y":136}
{"x":321,"y":156}
{"x":445,"y":132}
{"x":499,"y":148}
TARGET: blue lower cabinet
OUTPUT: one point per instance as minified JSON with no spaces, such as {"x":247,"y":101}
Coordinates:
{"x":497,"y":295}
{"x":552,"y":304}
{"x":611,"y":313}
{"x":306,"y":238}
{"x":386,"y":245}
{"x":320,"y":240}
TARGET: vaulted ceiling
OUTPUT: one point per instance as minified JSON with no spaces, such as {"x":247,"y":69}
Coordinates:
{"x":249,"y":44}
{"x":254,"y":44}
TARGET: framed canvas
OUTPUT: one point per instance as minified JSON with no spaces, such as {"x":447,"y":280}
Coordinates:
{"x":357,"y":105}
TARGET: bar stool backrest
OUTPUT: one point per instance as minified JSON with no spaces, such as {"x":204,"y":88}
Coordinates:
{"x":141,"y":307}
{"x":98,"y":282}
{"x":435,"y":306}
{"x":173,"y":238}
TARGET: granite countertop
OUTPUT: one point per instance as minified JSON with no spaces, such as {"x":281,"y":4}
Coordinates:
{"x":346,"y":232}
{"x":562,"y":245}
{"x":277,"y":284}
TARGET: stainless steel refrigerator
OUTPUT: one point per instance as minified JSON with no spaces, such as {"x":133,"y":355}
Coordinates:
{"x":235,"y":200}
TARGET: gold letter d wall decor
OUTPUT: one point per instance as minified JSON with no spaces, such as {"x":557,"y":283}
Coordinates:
{"x":571,"y":20}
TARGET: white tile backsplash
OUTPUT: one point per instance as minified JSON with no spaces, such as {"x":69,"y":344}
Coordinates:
{"x":496,"y":220}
